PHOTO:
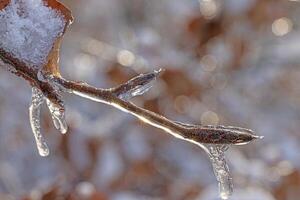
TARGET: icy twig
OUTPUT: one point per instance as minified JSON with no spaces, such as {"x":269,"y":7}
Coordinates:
{"x":200,"y":134}
{"x":215,"y":140}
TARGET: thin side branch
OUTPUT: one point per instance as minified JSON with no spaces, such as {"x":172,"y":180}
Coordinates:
{"x":114,"y":97}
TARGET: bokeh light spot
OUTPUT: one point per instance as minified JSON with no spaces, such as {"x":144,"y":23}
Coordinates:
{"x":209,"y":118}
{"x":126,"y":58}
{"x":282,"y":26}
{"x":209,"y":8}
{"x":209,"y":63}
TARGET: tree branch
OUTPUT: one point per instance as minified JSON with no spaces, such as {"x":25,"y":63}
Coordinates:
{"x":199,"y":134}
{"x":118,"y":97}
{"x":47,"y":86}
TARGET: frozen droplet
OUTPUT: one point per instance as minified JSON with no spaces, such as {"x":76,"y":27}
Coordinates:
{"x":34,"y":116}
{"x":58,"y":116}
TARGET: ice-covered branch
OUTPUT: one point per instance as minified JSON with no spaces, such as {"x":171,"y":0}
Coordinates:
{"x":195,"y":133}
{"x":118,"y":97}
{"x":40,"y":69}
{"x":215,"y":140}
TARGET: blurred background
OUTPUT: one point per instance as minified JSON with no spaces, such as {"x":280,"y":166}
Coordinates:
{"x":227,"y":62}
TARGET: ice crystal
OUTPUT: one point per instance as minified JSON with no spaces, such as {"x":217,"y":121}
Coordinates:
{"x":137,"y":86}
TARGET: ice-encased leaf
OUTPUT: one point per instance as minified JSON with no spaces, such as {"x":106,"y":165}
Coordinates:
{"x":137,"y":86}
{"x":34,"y":115}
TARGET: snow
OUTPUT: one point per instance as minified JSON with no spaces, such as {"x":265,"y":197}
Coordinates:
{"x":28,"y":29}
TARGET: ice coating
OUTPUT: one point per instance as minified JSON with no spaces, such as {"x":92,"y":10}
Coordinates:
{"x":137,"y":86}
{"x":28,"y":30}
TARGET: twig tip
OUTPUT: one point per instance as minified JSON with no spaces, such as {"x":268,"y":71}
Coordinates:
{"x":258,"y":137}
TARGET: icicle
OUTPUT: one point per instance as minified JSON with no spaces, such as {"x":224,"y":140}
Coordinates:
{"x":34,"y":115}
{"x":221,"y":169}
{"x":58,"y":116}
{"x":216,"y":153}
